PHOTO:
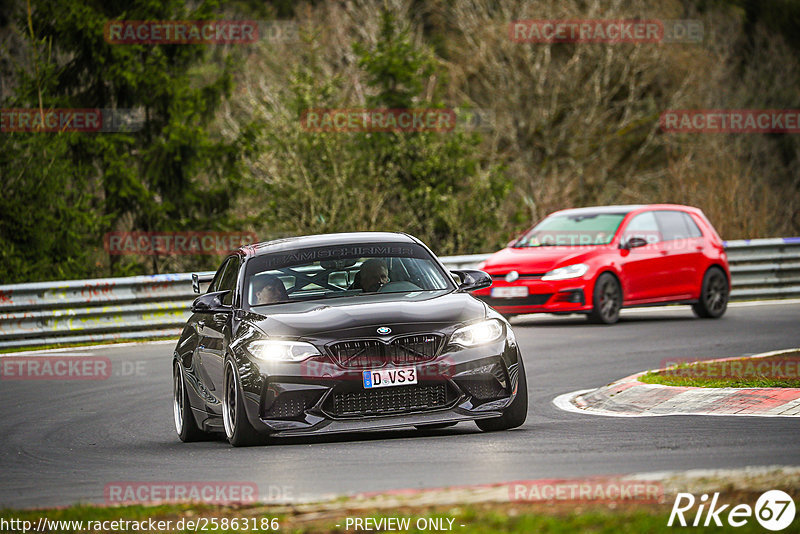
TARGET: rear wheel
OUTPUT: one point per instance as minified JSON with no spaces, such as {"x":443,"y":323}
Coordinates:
{"x":516,"y":413}
{"x":238,"y":430}
{"x":606,"y":300}
{"x":185,"y":425}
{"x":714,"y":295}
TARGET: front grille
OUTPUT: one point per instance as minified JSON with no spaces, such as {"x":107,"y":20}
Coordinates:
{"x":359,"y":353}
{"x":390,"y":400}
{"x":414,"y":349}
{"x":531,"y":300}
{"x":372,"y":353}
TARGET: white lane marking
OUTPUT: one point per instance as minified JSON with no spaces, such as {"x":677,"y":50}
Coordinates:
{"x":564,"y":401}
{"x":43,"y":354}
{"x":685,"y":307}
{"x":89,"y":347}
{"x":682,"y":308}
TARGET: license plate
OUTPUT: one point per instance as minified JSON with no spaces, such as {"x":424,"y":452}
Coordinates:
{"x":509,"y":292}
{"x":404,"y":376}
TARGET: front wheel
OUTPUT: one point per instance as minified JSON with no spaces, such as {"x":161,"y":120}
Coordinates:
{"x":516,"y":413}
{"x":606,"y":300}
{"x":238,"y":430}
{"x":714,"y":295}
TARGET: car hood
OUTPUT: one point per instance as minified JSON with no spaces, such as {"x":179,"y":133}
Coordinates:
{"x":536,"y":260}
{"x":403,"y":312}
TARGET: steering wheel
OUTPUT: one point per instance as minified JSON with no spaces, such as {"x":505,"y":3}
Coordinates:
{"x":400,"y":286}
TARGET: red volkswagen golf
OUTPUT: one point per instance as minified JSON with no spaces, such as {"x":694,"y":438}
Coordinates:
{"x":598,"y":260}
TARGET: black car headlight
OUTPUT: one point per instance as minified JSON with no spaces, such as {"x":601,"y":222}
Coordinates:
{"x":478,"y":333}
{"x":275,"y":350}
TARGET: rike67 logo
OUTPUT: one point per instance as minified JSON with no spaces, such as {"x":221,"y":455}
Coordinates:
{"x":774,"y":510}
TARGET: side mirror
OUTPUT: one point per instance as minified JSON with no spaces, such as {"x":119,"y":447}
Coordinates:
{"x":472,"y":279}
{"x":198,"y":279}
{"x":211,"y":303}
{"x":634,"y":242}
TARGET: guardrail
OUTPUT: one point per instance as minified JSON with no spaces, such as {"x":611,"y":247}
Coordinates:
{"x":141,"y":307}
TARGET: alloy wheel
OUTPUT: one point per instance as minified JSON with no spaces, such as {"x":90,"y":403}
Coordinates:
{"x":177,"y":399}
{"x":609,"y":300}
{"x":229,"y":402}
{"x":716,"y":293}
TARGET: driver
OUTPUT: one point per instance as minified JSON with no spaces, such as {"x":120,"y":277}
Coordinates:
{"x":374,"y":274}
{"x":268,"y":289}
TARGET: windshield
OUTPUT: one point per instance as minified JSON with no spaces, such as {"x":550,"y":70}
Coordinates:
{"x":341,"y":271}
{"x":573,"y":230}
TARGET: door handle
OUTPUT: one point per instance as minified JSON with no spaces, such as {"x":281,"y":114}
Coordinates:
{"x":220,"y":318}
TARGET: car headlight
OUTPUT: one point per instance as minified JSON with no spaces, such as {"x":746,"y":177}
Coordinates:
{"x":478,"y":333}
{"x":274,"y":350}
{"x":565,"y":273}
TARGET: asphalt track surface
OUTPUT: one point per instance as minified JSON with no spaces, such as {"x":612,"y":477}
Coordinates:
{"x":61,"y":442}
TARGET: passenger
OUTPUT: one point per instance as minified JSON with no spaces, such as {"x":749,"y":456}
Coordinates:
{"x":268,"y":289}
{"x":373,"y":274}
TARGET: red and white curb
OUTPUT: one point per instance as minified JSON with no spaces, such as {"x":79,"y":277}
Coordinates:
{"x":631,"y":398}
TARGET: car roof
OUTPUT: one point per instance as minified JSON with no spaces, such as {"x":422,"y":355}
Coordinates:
{"x":623,"y":209}
{"x":323,"y":240}
{"x":601,"y":209}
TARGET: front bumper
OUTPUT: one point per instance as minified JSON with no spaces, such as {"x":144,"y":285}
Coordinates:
{"x":557,"y":296}
{"x":320,"y":397}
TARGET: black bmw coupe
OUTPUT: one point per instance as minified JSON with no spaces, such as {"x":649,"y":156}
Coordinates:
{"x":343,"y":333}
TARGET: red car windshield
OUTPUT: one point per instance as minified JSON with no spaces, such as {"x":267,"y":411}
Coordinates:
{"x":573,"y":230}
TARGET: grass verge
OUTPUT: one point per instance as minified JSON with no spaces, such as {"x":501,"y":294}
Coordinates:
{"x":777,"y":371}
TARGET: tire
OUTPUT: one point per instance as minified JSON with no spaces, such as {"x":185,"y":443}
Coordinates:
{"x":185,"y":424}
{"x":516,"y":413}
{"x":238,"y":430}
{"x":606,"y":300}
{"x":434,"y":426}
{"x":714,"y":294}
